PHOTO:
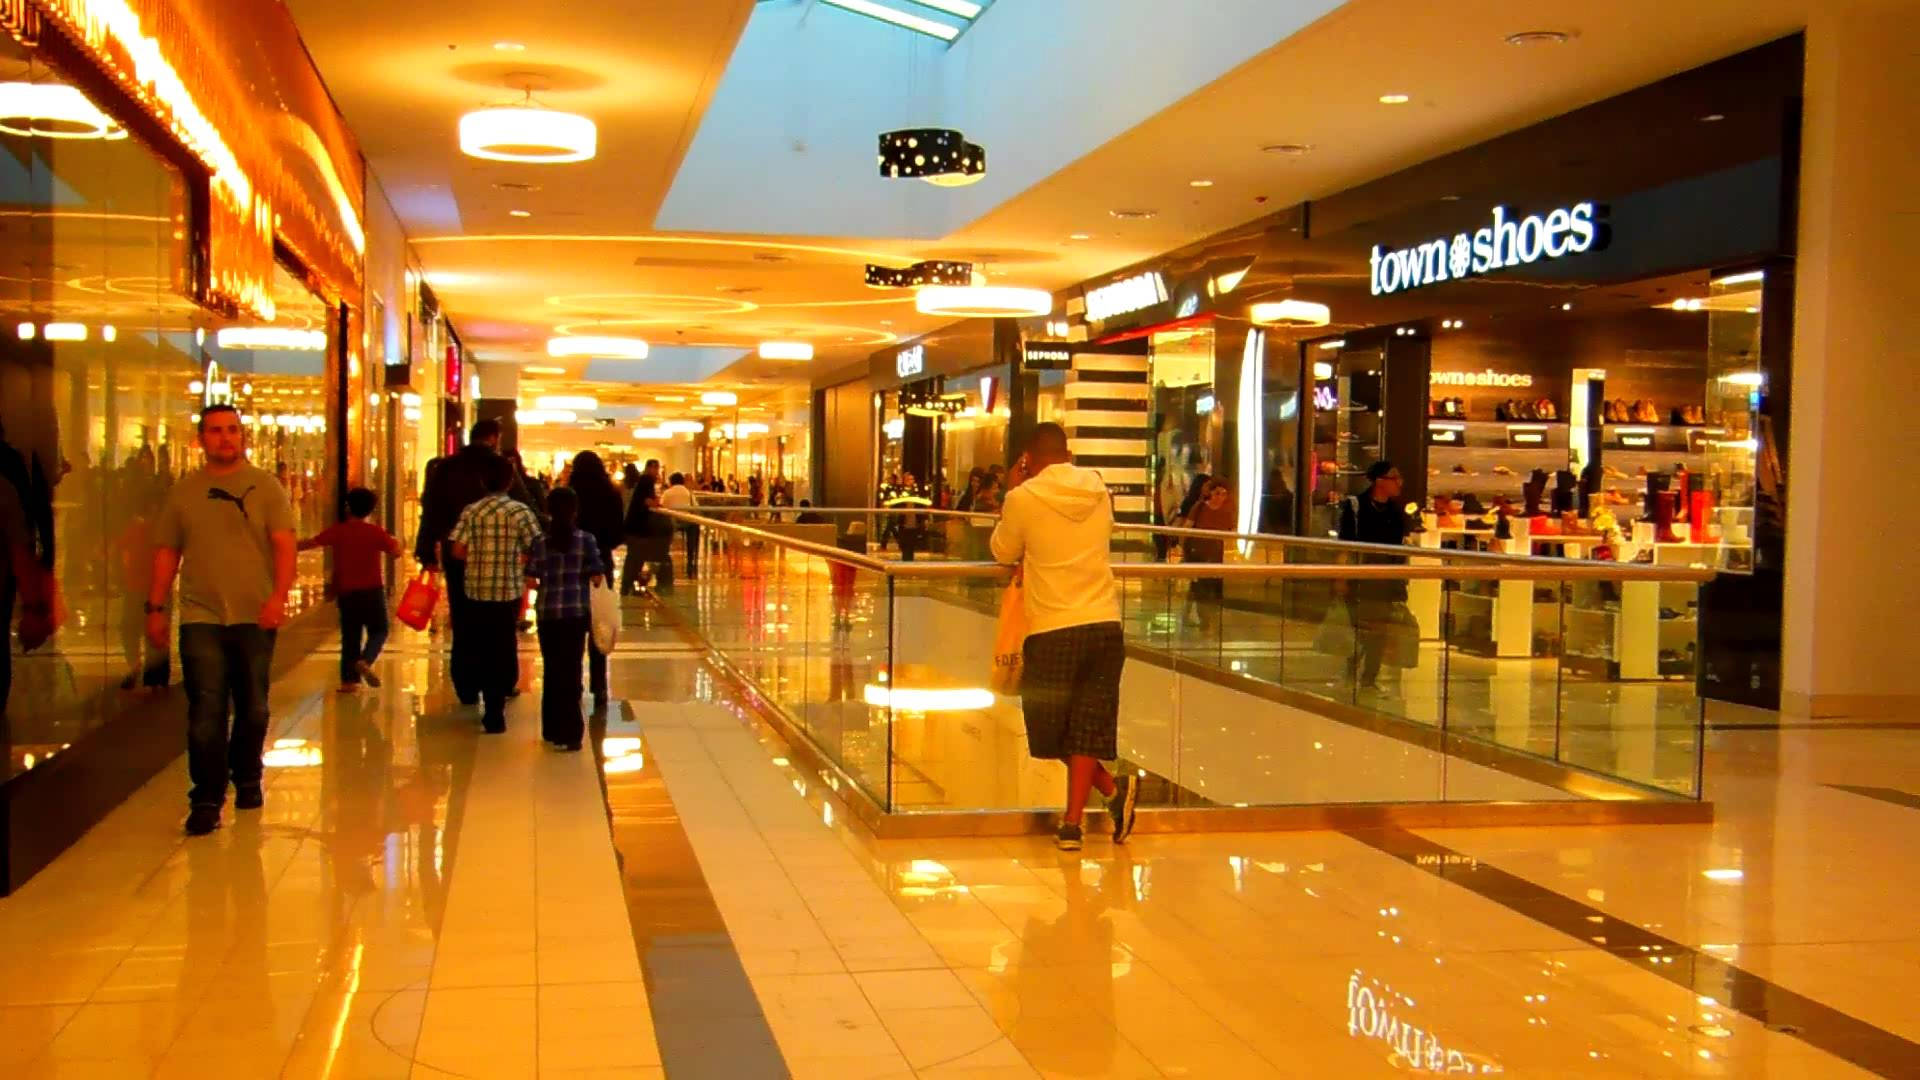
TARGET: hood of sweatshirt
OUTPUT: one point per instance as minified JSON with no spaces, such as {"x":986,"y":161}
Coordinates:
{"x":1068,"y":490}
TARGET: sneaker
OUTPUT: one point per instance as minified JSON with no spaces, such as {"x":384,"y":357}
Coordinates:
{"x":571,"y":748}
{"x":1068,"y":838}
{"x":1124,"y":807}
{"x":202,"y":820}
{"x":494,"y":726}
{"x":248,"y":798}
{"x":366,"y":674}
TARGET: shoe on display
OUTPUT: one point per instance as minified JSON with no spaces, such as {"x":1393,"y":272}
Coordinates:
{"x":1124,"y":806}
{"x":202,"y":820}
{"x":1068,"y":838}
{"x":248,"y":798}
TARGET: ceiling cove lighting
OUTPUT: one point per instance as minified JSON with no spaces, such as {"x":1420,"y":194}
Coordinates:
{"x":925,"y":272}
{"x":652,"y":434}
{"x":271,"y":337}
{"x":940,"y":156}
{"x":983,"y":301}
{"x":53,"y":111}
{"x":543,"y":417}
{"x":1290,"y":312}
{"x":785,"y":350}
{"x":919,"y":24}
{"x":611,"y":348}
{"x":528,"y":134}
{"x":1394,"y":99}
{"x":565,"y":402}
{"x":719,"y":397}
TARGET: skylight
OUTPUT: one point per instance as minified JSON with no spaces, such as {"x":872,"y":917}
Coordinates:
{"x":942,"y":19}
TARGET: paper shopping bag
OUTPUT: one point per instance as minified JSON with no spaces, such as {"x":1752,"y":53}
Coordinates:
{"x":1010,"y":641}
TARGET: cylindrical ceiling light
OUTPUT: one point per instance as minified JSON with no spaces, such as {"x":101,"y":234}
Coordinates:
{"x":612,"y":348}
{"x":566,"y":402}
{"x":983,"y":301}
{"x":1290,"y":312}
{"x":937,"y":155}
{"x":53,"y":111}
{"x":719,"y":397}
{"x":786,"y":350}
{"x":528,"y":134}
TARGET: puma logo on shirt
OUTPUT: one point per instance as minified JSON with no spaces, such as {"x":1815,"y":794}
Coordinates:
{"x":240,"y":500}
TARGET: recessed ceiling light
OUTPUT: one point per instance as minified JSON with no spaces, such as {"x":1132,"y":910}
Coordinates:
{"x":519,"y":213}
{"x":1199,"y":183}
{"x":1125,"y":214}
{"x":1291,"y":149}
{"x":1394,"y":99}
{"x":1539,"y":37}
{"x":509,"y":46}
{"x":1449,"y":198}
{"x":1566,"y":307}
{"x":1713,"y":118}
{"x":1081,"y":236}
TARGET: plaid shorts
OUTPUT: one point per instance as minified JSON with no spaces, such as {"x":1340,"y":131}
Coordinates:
{"x":1070,"y":691}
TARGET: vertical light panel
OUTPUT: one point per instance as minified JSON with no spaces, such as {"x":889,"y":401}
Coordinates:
{"x":1253,"y":433}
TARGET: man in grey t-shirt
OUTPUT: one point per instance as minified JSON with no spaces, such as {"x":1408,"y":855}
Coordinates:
{"x":228,"y":532}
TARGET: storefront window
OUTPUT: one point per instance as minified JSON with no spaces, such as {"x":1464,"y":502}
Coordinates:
{"x":1186,"y":423}
{"x":976,"y":437}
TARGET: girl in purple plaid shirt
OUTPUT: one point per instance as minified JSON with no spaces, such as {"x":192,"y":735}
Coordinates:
{"x":564,"y":564}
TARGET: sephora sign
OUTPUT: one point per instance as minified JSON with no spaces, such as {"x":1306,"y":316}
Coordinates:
{"x":1507,"y":243}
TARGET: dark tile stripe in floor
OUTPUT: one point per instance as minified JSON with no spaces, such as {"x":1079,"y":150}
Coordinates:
{"x":1821,"y":1026}
{"x":1885,"y":794}
{"x":705,"y":1015}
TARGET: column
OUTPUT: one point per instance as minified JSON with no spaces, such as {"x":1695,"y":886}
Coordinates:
{"x":1853,"y":522}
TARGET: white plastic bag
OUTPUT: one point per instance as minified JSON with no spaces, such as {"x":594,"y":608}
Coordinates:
{"x":605,"y":606}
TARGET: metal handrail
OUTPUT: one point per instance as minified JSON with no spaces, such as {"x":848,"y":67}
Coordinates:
{"x":1501,"y":570}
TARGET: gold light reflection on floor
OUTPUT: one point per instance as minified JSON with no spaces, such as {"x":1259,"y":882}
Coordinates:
{"x":292,"y":754}
{"x":621,"y":754}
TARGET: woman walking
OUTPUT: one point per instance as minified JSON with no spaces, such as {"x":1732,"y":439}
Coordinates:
{"x":602,"y":517}
{"x":565,"y":563}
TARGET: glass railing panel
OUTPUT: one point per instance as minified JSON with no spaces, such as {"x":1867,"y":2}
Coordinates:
{"x":1629,"y":670}
{"x":1322,"y":651}
{"x":1502,"y":662}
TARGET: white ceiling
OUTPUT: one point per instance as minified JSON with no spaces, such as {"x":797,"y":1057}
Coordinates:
{"x":645,"y":72}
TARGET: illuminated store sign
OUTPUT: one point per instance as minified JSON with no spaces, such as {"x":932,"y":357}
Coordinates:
{"x":216,"y":388}
{"x":1128,"y":295}
{"x":1507,"y":243}
{"x":1324,"y":398}
{"x":1048,"y":358}
{"x":1488,"y":377}
{"x":910,"y":361}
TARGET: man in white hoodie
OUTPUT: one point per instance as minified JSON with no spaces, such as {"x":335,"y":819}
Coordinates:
{"x":1057,"y":526}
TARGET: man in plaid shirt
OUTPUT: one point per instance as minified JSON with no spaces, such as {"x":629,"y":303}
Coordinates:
{"x":493,"y":536}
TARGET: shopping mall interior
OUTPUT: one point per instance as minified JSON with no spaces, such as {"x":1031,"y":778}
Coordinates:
{"x":1454,"y":565}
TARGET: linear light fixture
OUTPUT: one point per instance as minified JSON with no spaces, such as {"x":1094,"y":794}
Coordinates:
{"x":786,"y":350}
{"x":616,"y":348}
{"x":531,"y":370}
{"x":919,"y":24}
{"x":566,"y":402}
{"x":966,"y":9}
{"x":682,"y":427}
{"x":271,"y":337}
{"x":719,"y":397}
{"x":64,"y":331}
{"x":1253,"y":364}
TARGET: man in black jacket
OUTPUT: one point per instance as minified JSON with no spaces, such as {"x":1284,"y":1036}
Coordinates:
{"x":453,"y":483}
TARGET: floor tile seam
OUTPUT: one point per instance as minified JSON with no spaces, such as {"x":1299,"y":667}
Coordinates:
{"x":1775,"y":995}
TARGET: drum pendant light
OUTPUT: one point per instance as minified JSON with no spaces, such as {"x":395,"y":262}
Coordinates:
{"x":528,"y":133}
{"x":940,"y":156}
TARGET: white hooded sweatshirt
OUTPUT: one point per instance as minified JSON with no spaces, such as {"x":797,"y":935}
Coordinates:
{"x":1059,"y":526}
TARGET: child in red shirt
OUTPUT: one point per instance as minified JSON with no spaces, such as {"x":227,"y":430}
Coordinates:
{"x":359,"y":587}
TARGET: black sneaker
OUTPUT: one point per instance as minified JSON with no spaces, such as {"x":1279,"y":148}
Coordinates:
{"x":202,"y":820}
{"x":248,"y":798}
{"x":494,"y":727}
{"x":1124,"y":807}
{"x":1068,"y":838}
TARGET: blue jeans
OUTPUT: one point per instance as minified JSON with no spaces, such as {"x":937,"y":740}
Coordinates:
{"x":363,"y":630}
{"x":226,"y":670}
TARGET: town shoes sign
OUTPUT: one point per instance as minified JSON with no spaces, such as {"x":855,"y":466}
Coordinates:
{"x":1507,"y":243}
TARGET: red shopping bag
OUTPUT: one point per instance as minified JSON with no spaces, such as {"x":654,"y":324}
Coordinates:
{"x":417,"y":602}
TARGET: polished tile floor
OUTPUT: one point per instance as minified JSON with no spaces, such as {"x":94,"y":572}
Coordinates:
{"x":419,"y":900}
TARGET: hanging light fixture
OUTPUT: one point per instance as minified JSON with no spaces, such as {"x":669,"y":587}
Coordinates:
{"x":923,"y":273}
{"x":1290,"y":312}
{"x":528,"y":133}
{"x":940,"y":156}
{"x":611,"y":348}
{"x":53,"y":111}
{"x":719,"y":397}
{"x":983,"y":301}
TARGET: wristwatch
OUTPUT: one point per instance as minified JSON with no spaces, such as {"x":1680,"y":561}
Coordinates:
{"x":156,"y":609}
